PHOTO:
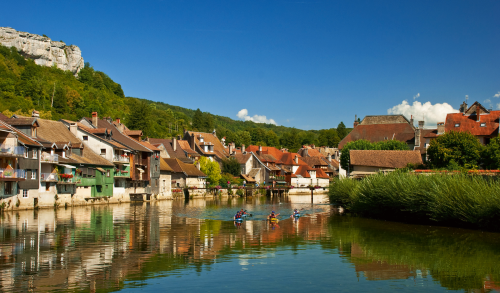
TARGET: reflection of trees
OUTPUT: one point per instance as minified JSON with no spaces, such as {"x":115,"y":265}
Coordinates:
{"x":458,"y":259}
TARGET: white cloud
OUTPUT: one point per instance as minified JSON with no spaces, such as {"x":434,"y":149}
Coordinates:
{"x":432,"y":114}
{"x":243,"y":114}
{"x":416,"y":96}
{"x":497,"y":95}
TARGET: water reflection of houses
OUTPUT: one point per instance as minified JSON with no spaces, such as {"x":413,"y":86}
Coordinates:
{"x":99,"y":246}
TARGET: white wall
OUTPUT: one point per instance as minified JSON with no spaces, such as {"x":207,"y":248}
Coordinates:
{"x":96,"y":145}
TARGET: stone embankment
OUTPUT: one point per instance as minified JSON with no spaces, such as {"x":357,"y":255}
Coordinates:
{"x":43,"y":50}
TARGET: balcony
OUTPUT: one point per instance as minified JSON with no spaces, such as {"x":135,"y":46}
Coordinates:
{"x":49,"y":177}
{"x":48,"y":158}
{"x":9,"y":174}
{"x":121,"y":159}
{"x":11,"y":150}
{"x":121,"y":173}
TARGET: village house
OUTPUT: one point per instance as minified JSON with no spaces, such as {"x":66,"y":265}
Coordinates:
{"x":19,"y":164}
{"x":481,"y":122}
{"x":144,"y":164}
{"x":172,"y":148}
{"x":206,"y":144}
{"x":316,"y":159}
{"x":165,"y":179}
{"x":253,"y":170}
{"x":185,"y":175}
{"x":368,"y":162}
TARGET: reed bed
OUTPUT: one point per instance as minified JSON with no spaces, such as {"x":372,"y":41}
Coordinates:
{"x":458,"y":199}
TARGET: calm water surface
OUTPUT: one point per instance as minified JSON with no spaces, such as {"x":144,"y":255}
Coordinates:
{"x":178,"y":246}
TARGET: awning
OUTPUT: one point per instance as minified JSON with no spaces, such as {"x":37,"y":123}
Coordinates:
{"x":101,"y":169}
{"x":140,"y":170}
{"x":67,"y":166}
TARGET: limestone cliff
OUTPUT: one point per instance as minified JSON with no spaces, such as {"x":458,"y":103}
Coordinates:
{"x":43,"y":50}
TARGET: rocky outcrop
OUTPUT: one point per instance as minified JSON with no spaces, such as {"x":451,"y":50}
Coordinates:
{"x":43,"y":50}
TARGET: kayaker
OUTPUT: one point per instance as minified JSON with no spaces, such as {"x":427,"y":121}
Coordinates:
{"x":238,"y":215}
{"x":242,"y":212}
{"x":272,"y":215}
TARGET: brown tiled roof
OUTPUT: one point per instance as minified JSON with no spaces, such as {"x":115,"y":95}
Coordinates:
{"x":97,"y":130}
{"x":288,"y":159}
{"x":314,"y":161}
{"x":164,"y":166}
{"x":185,"y":146}
{"x":430,"y":133}
{"x":320,"y":173}
{"x":335,"y":164}
{"x":133,"y":132}
{"x":379,"y":132}
{"x":384,"y":119}
{"x":468,"y":123}
{"x":242,"y":158}
{"x":120,"y":137}
{"x":248,"y":178}
{"x":90,"y":158}
{"x":268,"y":158}
{"x":55,"y":131}
{"x":180,"y":167}
{"x":384,"y":159}
{"x":209,"y":137}
{"x":167,"y":143}
{"x":303,"y":171}
{"x":254,"y":172}
{"x":149,"y":146}
{"x":21,"y":121}
{"x":3,"y":117}
{"x":21,"y":137}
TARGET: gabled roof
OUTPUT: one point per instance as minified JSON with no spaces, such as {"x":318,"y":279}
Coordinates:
{"x":384,"y":119}
{"x":186,"y":148}
{"x":188,"y":169}
{"x":29,"y":121}
{"x":56,"y":131}
{"x":91,"y":132}
{"x":21,"y":137}
{"x":469,"y":123}
{"x":164,"y":166}
{"x":289,"y":159}
{"x":266,"y":150}
{"x":380,"y":132}
{"x":303,"y":171}
{"x":149,"y":146}
{"x":167,"y":143}
{"x":242,"y":158}
{"x":384,"y":159}
{"x":474,"y":107}
{"x":120,"y":137}
{"x":209,"y":137}
{"x":314,"y":161}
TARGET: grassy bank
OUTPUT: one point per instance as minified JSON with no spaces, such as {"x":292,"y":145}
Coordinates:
{"x":458,"y":200}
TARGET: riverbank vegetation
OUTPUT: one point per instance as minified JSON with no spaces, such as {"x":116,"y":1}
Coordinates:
{"x":456,"y":200}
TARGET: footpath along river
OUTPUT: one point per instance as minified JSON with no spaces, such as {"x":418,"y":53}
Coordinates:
{"x":171,"y":246}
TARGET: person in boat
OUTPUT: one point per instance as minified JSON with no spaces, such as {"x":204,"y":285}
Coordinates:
{"x":296,"y":213}
{"x":237,"y":216}
{"x":242,"y":212}
{"x":272,"y":215}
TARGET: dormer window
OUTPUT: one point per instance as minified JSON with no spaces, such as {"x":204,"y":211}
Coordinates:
{"x":457,"y":124}
{"x":483,"y":124}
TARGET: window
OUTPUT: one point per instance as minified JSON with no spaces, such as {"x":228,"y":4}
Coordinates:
{"x":108,"y":173}
{"x":33,"y":174}
{"x":25,"y":193}
{"x":483,"y":124}
{"x":457,"y":124}
{"x":35,"y":153}
{"x":156,"y":183}
{"x":103,"y":152}
{"x":8,"y":187}
{"x":156,"y":168}
{"x":85,"y":137}
{"x":26,"y":151}
{"x":47,"y":186}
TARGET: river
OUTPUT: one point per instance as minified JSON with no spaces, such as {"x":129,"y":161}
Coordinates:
{"x":177,"y":246}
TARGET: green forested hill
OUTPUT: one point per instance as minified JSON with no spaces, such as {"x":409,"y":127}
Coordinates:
{"x":58,"y":94}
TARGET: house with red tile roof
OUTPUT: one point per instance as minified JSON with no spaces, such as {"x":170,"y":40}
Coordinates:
{"x":207,"y":145}
{"x":253,"y":167}
{"x":368,"y":162}
{"x":481,"y":122}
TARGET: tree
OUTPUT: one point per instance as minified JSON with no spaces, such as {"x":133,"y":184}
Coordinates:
{"x":272,"y":139}
{"x":491,"y":154}
{"x":208,"y":122}
{"x":341,"y":130}
{"x":140,"y":118}
{"x":243,"y":137}
{"x":198,"y":120}
{"x":462,"y":149}
{"x":211,"y":169}
{"x":231,"y":166}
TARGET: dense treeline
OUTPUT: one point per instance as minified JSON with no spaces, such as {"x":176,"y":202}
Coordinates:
{"x":58,"y":94}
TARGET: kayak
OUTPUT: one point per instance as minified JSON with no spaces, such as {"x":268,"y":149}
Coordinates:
{"x":296,"y":215}
{"x":238,"y":220}
{"x":274,"y":220}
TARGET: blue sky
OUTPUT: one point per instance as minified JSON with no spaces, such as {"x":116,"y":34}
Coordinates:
{"x":307,"y":64}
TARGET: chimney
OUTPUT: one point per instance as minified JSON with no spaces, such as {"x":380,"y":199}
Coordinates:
{"x":174,"y":144}
{"x":214,"y":133}
{"x":231,"y":148}
{"x":191,"y":141}
{"x":478,"y":113}
{"x":198,"y":165}
{"x":179,"y":137}
{"x":356,"y":123}
{"x":463,"y":107}
{"x":74,"y":129}
{"x":440,"y":127}
{"x":118,"y":120}
{"x":421,"y":124}
{"x":35,"y":114}
{"x":296,"y":159}
{"x":95,"y":118}
{"x":147,"y":139}
{"x":243,"y":149}
{"x":260,"y":150}
{"x":411,"y":121}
